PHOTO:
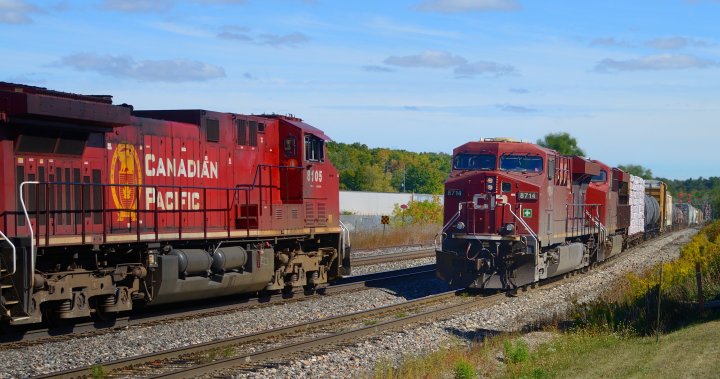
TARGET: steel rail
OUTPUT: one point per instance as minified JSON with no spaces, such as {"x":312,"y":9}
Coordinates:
{"x":392,"y":257}
{"x":35,"y":336}
{"x":258,"y":336}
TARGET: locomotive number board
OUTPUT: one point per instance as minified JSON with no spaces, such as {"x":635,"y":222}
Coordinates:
{"x":527,"y":196}
{"x":454,"y":192}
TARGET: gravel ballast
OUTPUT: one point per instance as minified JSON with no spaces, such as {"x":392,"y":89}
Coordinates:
{"x":512,"y":314}
{"x":56,"y":356}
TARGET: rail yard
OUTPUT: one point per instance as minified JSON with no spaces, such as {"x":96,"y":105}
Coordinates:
{"x":179,"y":243}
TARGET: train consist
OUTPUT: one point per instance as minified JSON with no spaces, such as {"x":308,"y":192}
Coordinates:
{"x":103,"y":207}
{"x":517,"y":213}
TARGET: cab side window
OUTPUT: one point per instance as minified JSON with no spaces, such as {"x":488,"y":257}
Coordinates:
{"x":314,"y":148}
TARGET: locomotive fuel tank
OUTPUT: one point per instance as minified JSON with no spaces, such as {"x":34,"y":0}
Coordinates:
{"x":169,"y":285}
{"x":192,"y":262}
{"x":228,"y":258}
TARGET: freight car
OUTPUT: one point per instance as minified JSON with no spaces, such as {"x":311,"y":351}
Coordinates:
{"x":517,"y":213}
{"x":103,"y":207}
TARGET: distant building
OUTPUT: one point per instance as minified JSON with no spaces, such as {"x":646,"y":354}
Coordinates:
{"x":366,"y":208}
{"x":377,"y":203}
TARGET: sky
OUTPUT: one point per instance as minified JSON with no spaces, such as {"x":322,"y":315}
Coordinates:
{"x":636,"y":82}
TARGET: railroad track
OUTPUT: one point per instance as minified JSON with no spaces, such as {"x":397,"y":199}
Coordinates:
{"x":181,"y":364}
{"x":277,"y":346}
{"x":24,"y":338}
{"x":249,"y":352}
{"x":392,"y":257}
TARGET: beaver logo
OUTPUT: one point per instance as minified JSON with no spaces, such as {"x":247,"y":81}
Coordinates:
{"x":125,"y":177}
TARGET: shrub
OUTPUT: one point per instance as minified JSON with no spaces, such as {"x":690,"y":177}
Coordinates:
{"x":516,"y":352}
{"x":464,"y":370}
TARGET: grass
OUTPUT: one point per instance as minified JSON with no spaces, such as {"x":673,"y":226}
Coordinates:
{"x":98,"y":372}
{"x":612,"y":337}
{"x":394,"y":236}
{"x":687,"y":353}
{"x":582,"y":353}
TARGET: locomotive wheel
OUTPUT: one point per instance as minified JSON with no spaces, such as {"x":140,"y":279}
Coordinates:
{"x":51,"y":315}
{"x":100,"y":312}
{"x":101,"y":316}
{"x":309,"y":289}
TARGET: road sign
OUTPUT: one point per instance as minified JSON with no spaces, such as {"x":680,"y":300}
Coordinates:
{"x":527,"y":213}
{"x":385,"y":220}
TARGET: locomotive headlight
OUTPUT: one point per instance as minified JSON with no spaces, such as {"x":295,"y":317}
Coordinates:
{"x":490,"y":185}
{"x":507,"y":229}
{"x":460,"y":226}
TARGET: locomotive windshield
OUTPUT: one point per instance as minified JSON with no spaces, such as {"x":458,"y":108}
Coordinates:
{"x":600,"y":178}
{"x":482,"y":162}
{"x":521,"y":162}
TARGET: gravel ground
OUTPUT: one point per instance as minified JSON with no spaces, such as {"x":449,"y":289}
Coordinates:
{"x":389,"y":250}
{"x":371,"y":269}
{"x":512,"y":314}
{"x":56,"y":356}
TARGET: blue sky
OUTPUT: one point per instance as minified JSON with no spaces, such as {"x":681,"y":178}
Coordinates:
{"x":633,"y":81}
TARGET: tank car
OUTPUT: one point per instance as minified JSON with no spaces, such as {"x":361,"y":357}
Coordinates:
{"x":516,"y":213}
{"x":104,"y":206}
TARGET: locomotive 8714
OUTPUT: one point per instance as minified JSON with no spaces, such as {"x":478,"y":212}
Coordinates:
{"x":103,"y":206}
{"x":517,"y":213}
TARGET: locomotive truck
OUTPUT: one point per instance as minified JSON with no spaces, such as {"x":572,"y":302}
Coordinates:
{"x":103,"y":206}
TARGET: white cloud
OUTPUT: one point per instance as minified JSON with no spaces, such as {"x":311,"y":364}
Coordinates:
{"x":16,"y":12}
{"x":609,"y":41}
{"x":372,"y":68}
{"x":675,"y":42}
{"x":668,"y":43}
{"x":282,"y":39}
{"x":428,"y":58}
{"x":455,"y":6}
{"x":654,"y":62}
{"x":138,"y":5}
{"x":515,"y":108}
{"x":484,"y":68}
{"x":175,"y":70}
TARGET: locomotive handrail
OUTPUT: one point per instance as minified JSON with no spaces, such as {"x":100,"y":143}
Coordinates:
{"x":82,"y":210}
{"x":452,"y":219}
{"x":346,"y":232}
{"x":14,"y":253}
{"x":32,"y":233}
{"x":524,"y":224}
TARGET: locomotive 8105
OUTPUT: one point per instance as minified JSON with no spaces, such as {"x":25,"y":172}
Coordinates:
{"x":517,"y":213}
{"x":103,"y":206}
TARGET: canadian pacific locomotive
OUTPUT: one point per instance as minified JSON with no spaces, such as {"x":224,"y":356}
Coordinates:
{"x":104,"y":207}
{"x":517,"y":213}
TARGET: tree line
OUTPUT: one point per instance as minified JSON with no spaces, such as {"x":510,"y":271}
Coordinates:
{"x":386,"y":170}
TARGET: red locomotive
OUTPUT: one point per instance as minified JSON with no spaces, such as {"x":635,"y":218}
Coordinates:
{"x":516,"y":213}
{"x":103,"y":206}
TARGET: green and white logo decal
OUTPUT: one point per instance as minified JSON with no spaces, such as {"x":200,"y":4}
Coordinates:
{"x":527,"y":213}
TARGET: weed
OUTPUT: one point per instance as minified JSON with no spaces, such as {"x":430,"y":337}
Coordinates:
{"x":464,"y":370}
{"x":370,"y":322}
{"x":98,"y":372}
{"x":516,"y":352}
{"x":401,"y":315}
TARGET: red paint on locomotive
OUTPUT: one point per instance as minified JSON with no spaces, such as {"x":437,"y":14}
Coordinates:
{"x":176,"y":189}
{"x":516,"y":213}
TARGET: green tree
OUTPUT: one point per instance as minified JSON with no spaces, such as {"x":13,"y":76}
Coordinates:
{"x":419,"y":213}
{"x":637,"y":170}
{"x":563,"y":143}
